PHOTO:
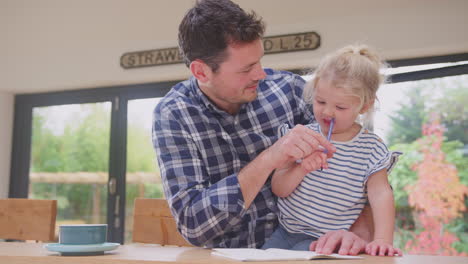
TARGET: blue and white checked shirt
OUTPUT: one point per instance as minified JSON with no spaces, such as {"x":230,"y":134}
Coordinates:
{"x":201,"y":149}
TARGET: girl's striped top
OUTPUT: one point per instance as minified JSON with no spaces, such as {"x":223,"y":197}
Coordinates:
{"x":332,"y":199}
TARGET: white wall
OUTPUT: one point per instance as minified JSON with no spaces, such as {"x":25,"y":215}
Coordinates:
{"x":53,"y":45}
{"x":6,"y":129}
{"x":58,"y":45}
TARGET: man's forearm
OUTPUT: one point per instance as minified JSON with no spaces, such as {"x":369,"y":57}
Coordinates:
{"x":364,"y":225}
{"x":253,"y":176}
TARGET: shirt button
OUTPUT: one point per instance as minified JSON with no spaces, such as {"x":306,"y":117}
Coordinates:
{"x":271,"y":203}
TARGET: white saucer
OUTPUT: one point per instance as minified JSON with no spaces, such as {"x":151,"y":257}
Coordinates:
{"x":81,"y":250}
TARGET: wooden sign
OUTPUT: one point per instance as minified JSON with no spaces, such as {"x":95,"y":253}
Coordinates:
{"x":273,"y":44}
{"x":291,"y":42}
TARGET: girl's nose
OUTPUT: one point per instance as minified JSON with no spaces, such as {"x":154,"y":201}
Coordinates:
{"x":328,"y":111}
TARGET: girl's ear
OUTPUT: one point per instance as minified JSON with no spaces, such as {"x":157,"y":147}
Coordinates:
{"x":366,"y":107}
{"x":200,"y":70}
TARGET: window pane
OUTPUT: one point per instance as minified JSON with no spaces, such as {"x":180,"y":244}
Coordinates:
{"x":142,"y":178}
{"x":438,"y":171}
{"x":69,"y":160}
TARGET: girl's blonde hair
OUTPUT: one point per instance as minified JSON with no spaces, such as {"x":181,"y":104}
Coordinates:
{"x":355,"y":68}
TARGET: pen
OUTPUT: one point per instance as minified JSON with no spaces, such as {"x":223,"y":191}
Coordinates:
{"x":332,"y":124}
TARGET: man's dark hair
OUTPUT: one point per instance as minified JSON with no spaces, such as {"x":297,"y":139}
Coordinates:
{"x":211,"y":25}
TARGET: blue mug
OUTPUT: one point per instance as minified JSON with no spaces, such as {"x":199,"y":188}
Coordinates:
{"x":85,"y":234}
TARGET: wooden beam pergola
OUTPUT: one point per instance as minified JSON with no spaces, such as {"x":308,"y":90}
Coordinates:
{"x":92,"y":177}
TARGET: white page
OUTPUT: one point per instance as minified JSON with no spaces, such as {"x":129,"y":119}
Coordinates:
{"x":251,"y":254}
{"x":272,"y":254}
{"x":307,"y":254}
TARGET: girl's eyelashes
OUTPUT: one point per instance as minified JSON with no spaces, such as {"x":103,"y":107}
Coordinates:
{"x":323,"y":102}
{"x":319,"y":101}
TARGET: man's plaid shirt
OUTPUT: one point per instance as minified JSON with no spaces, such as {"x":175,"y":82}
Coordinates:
{"x":201,"y":149}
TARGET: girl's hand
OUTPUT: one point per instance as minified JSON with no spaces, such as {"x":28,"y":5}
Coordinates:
{"x":380,"y":247}
{"x":316,"y":160}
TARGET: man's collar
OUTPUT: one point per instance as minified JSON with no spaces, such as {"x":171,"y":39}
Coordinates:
{"x":202,"y":97}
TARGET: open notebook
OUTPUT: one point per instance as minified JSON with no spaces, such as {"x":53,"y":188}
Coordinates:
{"x":272,"y":254}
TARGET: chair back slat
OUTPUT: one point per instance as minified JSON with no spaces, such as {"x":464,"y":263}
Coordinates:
{"x":154,"y":223}
{"x":28,"y":219}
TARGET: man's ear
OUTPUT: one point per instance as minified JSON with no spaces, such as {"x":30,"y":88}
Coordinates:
{"x":200,"y":70}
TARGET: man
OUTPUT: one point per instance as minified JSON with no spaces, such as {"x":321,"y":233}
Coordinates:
{"x":216,"y":134}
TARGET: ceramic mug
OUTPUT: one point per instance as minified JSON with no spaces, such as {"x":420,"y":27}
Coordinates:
{"x":85,"y":234}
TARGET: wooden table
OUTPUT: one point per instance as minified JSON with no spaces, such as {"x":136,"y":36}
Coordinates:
{"x":31,"y":253}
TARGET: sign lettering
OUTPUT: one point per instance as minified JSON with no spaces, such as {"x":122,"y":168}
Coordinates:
{"x":273,"y":44}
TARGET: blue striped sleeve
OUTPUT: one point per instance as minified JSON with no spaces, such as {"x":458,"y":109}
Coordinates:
{"x":383,"y":158}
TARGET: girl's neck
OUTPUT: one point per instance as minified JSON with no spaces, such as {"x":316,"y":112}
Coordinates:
{"x":346,"y":135}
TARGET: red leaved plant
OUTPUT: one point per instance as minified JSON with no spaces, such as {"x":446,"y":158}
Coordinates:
{"x":438,"y":196}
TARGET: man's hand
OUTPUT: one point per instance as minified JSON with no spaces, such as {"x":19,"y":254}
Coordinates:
{"x":298,"y":144}
{"x":343,"y":242}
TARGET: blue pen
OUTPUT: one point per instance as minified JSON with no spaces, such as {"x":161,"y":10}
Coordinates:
{"x":332,"y":123}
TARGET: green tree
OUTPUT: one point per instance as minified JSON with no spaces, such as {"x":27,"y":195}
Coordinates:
{"x":454,"y":111}
{"x":82,"y":146}
{"x":447,"y":96}
{"x":45,"y":151}
{"x":140,"y":153}
{"x":86,"y":141}
{"x":407,"y":122}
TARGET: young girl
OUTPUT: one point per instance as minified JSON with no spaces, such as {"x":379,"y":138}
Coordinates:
{"x":314,"y":201}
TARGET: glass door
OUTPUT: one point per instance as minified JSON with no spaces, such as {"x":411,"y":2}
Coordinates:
{"x":72,"y":146}
{"x":142,"y":175}
{"x":70,"y":160}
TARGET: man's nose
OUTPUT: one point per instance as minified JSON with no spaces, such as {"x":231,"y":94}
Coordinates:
{"x":259,"y":73}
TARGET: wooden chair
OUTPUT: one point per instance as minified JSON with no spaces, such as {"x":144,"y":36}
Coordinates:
{"x":154,"y":223}
{"x":28,"y":219}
